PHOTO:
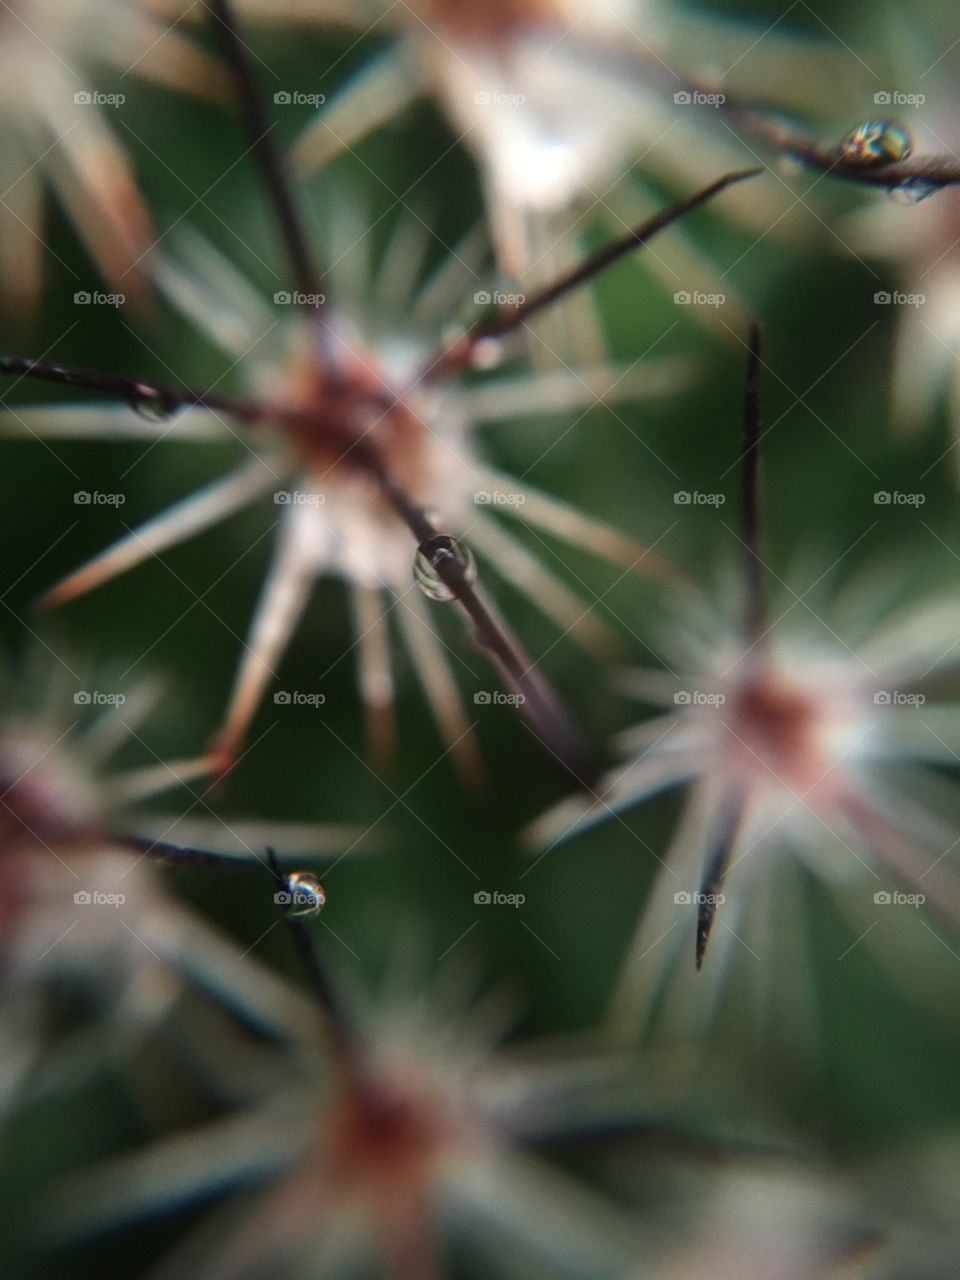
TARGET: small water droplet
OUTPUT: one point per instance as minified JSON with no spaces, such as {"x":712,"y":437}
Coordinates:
{"x":435,"y":552}
{"x":876,"y":142}
{"x":305,"y":896}
{"x":153,"y":405}
{"x":913,"y":190}
{"x":486,"y":353}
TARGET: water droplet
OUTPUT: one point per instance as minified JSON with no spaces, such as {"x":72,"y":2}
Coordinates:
{"x":876,"y":142}
{"x":913,"y":190}
{"x":486,"y":353}
{"x":153,"y":405}
{"x":435,"y":552}
{"x":305,"y":895}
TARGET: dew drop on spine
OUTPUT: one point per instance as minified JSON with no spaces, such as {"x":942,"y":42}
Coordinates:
{"x":431,"y":556}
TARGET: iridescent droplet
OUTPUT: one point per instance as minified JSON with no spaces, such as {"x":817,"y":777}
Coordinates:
{"x":306,"y":894}
{"x":876,"y":142}
{"x":434,"y":553}
{"x":149,"y":403}
{"x":913,"y":190}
